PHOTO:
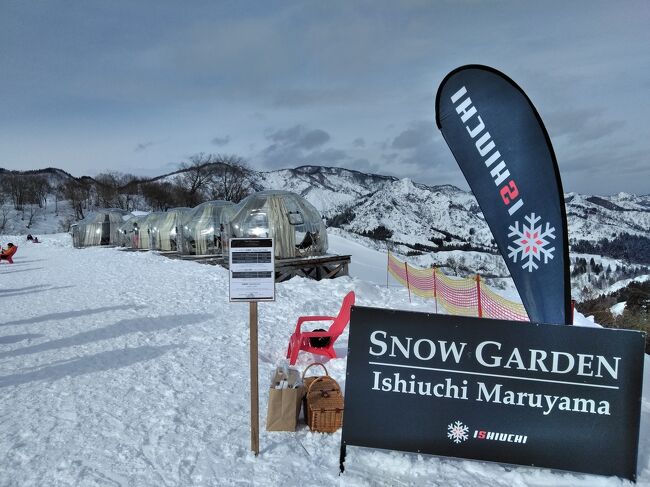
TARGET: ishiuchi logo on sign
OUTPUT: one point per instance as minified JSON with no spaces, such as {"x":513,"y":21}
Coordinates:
{"x":499,"y":436}
{"x":458,"y":432}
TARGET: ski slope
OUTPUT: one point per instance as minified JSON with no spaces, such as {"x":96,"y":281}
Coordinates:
{"x":130,"y":369}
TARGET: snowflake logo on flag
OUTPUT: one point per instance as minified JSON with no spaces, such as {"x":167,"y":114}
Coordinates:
{"x":531,"y":243}
{"x":457,"y":432}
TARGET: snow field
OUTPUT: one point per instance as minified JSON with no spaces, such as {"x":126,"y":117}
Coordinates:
{"x":127,"y":368}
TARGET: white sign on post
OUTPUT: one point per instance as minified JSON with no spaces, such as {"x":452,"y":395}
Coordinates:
{"x":252,"y":279}
{"x":252,"y":269}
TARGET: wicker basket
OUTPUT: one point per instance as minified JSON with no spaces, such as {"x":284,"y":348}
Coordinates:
{"x":306,"y":381}
{"x":324,"y":405}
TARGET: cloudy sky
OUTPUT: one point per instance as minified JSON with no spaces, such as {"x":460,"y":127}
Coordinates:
{"x":139,"y":86}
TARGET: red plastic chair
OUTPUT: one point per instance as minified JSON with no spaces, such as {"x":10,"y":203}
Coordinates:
{"x":8,"y":253}
{"x":300,"y":339}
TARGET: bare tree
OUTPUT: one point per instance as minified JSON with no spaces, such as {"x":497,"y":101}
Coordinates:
{"x":4,"y":209}
{"x":17,"y":189}
{"x":78,"y":193}
{"x":37,"y":188}
{"x":107,"y":190}
{"x":40,"y":188}
{"x":231,"y":179}
{"x":160,"y":195}
{"x":214,"y":176}
{"x":33,"y":211}
{"x":4,"y":217}
{"x":57,"y":190}
{"x":129,"y":190}
{"x":196,"y":176}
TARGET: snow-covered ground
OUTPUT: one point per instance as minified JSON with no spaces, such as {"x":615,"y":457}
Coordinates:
{"x":125,"y":368}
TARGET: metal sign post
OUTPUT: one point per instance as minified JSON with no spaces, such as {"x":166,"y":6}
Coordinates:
{"x":252,"y":279}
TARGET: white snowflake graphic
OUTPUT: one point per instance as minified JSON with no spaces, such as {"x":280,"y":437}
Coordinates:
{"x":457,"y":432}
{"x":531,"y":243}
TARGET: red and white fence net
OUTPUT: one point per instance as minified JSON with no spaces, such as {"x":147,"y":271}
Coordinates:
{"x":457,"y":296}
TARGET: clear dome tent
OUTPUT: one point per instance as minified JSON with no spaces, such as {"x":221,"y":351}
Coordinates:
{"x":166,"y":231}
{"x":130,"y":232}
{"x":147,"y":234}
{"x":99,"y":228}
{"x":294,"y":223}
{"x":203,"y":225}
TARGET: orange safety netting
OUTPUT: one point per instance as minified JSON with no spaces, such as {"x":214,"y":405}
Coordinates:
{"x":495,"y":306}
{"x":458,"y":296}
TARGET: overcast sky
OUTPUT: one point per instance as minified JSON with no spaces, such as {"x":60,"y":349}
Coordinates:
{"x":139,"y":86}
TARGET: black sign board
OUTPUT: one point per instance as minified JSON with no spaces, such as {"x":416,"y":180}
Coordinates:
{"x":559,"y":397}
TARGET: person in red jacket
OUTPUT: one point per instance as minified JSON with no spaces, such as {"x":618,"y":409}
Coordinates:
{"x":8,"y":253}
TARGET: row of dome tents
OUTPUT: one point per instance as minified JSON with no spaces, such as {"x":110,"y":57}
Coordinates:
{"x":294,"y":224}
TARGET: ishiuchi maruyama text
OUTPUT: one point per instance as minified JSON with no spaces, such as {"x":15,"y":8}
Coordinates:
{"x":492,"y":393}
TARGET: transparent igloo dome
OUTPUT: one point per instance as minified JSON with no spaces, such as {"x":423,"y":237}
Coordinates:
{"x":294,"y":223}
{"x":165,"y":232}
{"x":100,"y":227}
{"x":203,"y":226}
{"x":146,"y":232}
{"x":130,"y":232}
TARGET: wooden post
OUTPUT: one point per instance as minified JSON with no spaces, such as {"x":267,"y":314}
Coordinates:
{"x":255,"y":416}
{"x":478,"y":295}
{"x":408,"y":286}
{"x":387,"y":267}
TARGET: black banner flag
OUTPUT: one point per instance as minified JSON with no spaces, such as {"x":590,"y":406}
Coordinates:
{"x":505,"y":153}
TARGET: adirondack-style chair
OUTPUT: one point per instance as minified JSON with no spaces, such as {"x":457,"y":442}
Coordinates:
{"x":302,"y":340}
{"x":8,"y":253}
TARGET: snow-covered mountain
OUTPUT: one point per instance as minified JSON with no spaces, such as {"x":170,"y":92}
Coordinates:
{"x":595,"y":217}
{"x":325,"y":187}
{"x":420,"y":214}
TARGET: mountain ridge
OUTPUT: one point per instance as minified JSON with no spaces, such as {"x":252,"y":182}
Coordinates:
{"x":403,"y":211}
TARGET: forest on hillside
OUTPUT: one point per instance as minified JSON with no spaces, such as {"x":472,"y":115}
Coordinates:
{"x":203,"y":177}
{"x":623,"y":246}
{"x":635,"y":316}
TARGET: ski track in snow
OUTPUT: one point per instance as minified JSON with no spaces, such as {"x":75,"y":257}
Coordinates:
{"x":130,"y":369}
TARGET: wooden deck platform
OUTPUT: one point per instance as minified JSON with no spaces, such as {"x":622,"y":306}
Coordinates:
{"x":319,"y":267}
{"x":204,"y":259}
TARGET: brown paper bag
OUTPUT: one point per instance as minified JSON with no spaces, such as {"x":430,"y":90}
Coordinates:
{"x":284,"y":404}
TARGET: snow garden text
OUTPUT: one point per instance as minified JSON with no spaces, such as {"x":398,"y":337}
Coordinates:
{"x":490,"y":355}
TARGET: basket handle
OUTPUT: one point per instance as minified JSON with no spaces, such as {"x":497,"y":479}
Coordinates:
{"x":311,"y":365}
{"x":338,"y":388}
